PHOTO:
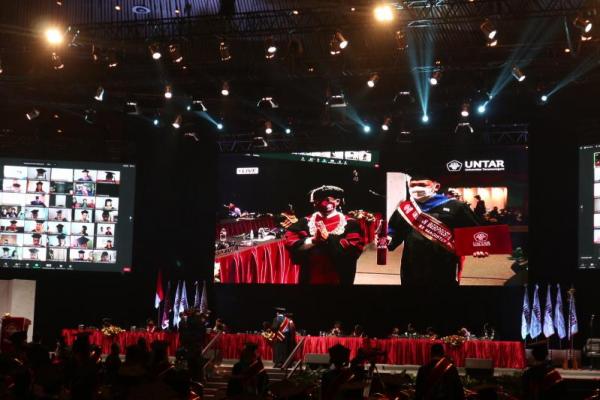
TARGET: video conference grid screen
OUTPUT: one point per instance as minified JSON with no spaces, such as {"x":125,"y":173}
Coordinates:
{"x":66,"y":215}
{"x":258,"y":192}
{"x":589,"y":207}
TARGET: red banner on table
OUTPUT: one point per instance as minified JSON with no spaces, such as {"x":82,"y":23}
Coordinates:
{"x":493,"y":239}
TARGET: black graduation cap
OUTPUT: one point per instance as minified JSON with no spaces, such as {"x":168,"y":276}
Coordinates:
{"x":60,"y":226}
{"x":41,"y":171}
{"x":33,"y":251}
{"x":105,"y":213}
{"x":107,"y":200}
{"x":59,"y":211}
{"x":84,"y":228}
{"x":109,"y":175}
{"x":19,"y":336}
{"x":35,"y":211}
{"x":105,"y":253}
{"x":109,"y":241}
{"x":81,"y":252}
{"x":339,"y":352}
{"x":85,"y":170}
{"x":13,"y":222}
{"x":5,"y":249}
{"x":326,"y":191}
{"x":39,"y":221}
{"x":84,"y":212}
{"x":280,"y":309}
{"x":17,"y":184}
{"x":39,"y":183}
{"x":36,"y":236}
{"x":82,"y":240}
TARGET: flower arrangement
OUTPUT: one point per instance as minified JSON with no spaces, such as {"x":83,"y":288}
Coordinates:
{"x":454,"y":340}
{"x":111,"y":330}
{"x":362,"y":214}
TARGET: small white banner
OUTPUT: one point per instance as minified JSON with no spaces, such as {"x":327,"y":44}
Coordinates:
{"x":247,"y":171}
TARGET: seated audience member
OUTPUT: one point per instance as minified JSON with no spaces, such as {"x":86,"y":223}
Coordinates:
{"x":220,"y":326}
{"x":358,"y":331}
{"x":337,"y":329}
{"x":395,"y":333}
{"x":430,"y":333}
{"x":151,"y":326}
{"x":410,"y":330}
{"x":541,"y":381}
{"x":439,"y":378}
{"x":248,"y":377}
{"x":464,"y":332}
{"x":338,"y":375}
{"x":112,"y":363}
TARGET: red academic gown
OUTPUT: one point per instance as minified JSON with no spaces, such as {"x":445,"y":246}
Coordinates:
{"x":330,"y":261}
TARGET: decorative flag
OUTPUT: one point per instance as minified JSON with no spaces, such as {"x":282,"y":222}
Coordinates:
{"x":559,"y":318}
{"x":160,"y":295}
{"x":197,"y":296}
{"x":548,"y":323}
{"x":183,"y":306}
{"x":573,"y":326}
{"x":177,"y":304}
{"x":535,"y":328}
{"x":204,"y":300}
{"x":525,"y":315}
{"x":166,"y":308}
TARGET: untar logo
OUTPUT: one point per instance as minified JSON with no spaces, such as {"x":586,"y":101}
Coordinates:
{"x":475,"y":165}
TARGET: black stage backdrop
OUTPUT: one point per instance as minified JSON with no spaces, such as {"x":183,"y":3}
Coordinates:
{"x":174,"y":230}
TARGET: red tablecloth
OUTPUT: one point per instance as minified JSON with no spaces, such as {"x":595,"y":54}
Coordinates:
{"x":237,"y":227}
{"x":264,"y":263}
{"x":399,"y":351}
{"x":124,"y":339}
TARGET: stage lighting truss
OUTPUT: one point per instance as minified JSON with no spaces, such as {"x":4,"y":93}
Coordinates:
{"x":132,"y":108}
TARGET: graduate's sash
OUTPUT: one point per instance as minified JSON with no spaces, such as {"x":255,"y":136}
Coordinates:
{"x":428,"y":226}
{"x":437,"y":373}
{"x":280,"y":332}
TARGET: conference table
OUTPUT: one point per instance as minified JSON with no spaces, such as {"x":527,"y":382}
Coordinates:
{"x":402,"y":351}
{"x":239,"y":226}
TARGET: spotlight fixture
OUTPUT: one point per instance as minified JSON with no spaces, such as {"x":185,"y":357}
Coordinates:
{"x":338,"y":43}
{"x":489,"y":29}
{"x":175,"y":53}
{"x":225,"y":89}
{"x":99,"y":93}
{"x":518,"y":74}
{"x":481,"y":109}
{"x":168,"y":92}
{"x":583,"y":24}
{"x":586,"y":37}
{"x":155,"y":121}
{"x":464,"y":110}
{"x":267,"y":102}
{"x":383,"y":13}
{"x":54,"y":36}
{"x":33,"y":114}
{"x":288,"y":131}
{"x":270,"y":48}
{"x":95,"y":53}
{"x":89,"y":116}
{"x":401,"y":43}
{"x":544,"y":98}
{"x":220,"y":126}
{"x":373,"y":80}
{"x":336,"y":101}
{"x":366,"y":128}
{"x":425,"y":118}
{"x":177,"y":122}
{"x":1,"y":69}
{"x":435,"y":78}
{"x":198,"y":106}
{"x":492,"y":43}
{"x":57,"y":63}
{"x":112,"y":59}
{"x":268,"y":127}
{"x":386,"y":124}
{"x":155,"y":51}
{"x":131,"y":108}
{"x":117,"y":7}
{"x":224,"y":51}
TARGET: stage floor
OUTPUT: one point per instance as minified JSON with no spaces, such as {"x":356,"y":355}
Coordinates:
{"x":494,"y":270}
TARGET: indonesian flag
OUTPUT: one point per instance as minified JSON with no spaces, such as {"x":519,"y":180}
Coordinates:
{"x":160,"y":295}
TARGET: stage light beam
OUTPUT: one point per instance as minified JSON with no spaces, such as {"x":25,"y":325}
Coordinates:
{"x":425,"y":118}
{"x":54,"y":36}
{"x":383,"y":13}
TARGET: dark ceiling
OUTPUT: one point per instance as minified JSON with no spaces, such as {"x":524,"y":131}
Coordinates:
{"x":532,"y":35}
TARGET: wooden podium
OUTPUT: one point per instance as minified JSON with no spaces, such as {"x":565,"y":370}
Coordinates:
{"x":9,"y":326}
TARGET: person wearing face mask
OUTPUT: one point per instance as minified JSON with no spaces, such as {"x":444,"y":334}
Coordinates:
{"x":424,"y":224}
{"x":326,"y":244}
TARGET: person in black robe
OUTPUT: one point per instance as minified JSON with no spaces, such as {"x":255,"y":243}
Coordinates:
{"x":542,"y":380}
{"x":285,"y":337}
{"x":425,"y":263}
{"x":439,"y":378}
{"x":327,"y":244}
